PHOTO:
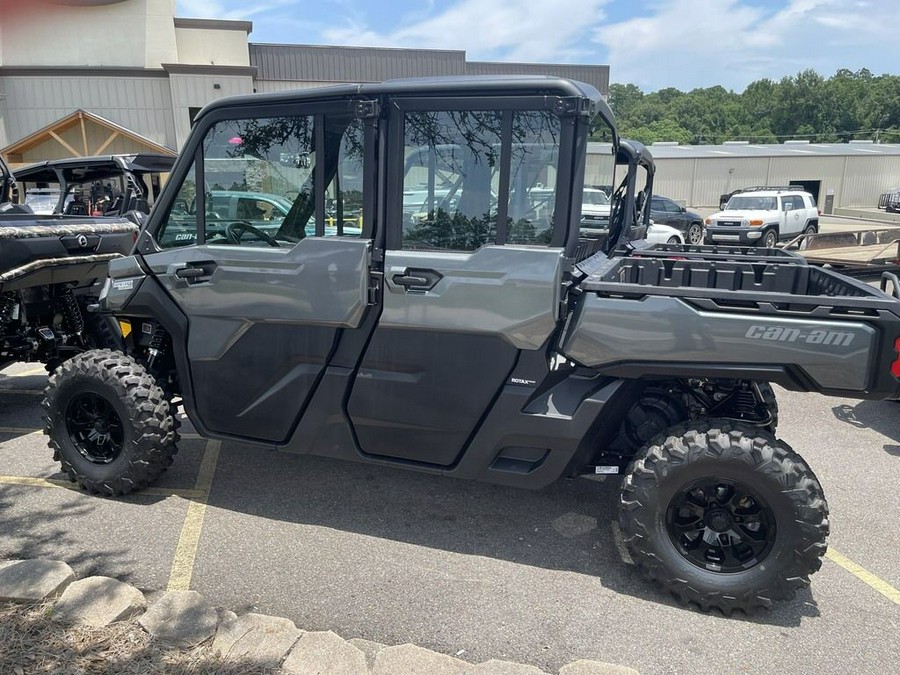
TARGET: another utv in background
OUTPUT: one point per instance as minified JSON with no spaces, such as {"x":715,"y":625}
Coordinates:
{"x":49,"y":269}
{"x":107,"y":185}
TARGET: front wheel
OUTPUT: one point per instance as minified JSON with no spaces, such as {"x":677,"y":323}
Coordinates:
{"x":110,"y":425}
{"x":695,"y":234}
{"x":724,"y":515}
{"x":673,"y":240}
{"x":770,"y":238}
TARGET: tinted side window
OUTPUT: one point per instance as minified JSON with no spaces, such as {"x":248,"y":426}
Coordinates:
{"x":453,"y":162}
{"x":179,"y":227}
{"x":259,"y":183}
{"x":249,"y":161}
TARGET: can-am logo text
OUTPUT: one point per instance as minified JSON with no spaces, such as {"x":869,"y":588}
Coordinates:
{"x":839,"y":338}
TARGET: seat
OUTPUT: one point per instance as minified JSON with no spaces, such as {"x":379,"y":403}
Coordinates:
{"x":76,"y":209}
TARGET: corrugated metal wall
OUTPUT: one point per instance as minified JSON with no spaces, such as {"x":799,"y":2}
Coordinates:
{"x":142,"y":104}
{"x":299,"y":63}
{"x":597,"y":76}
{"x":865,"y":177}
{"x":699,"y":181}
{"x":320,"y":64}
{"x":272,"y":86}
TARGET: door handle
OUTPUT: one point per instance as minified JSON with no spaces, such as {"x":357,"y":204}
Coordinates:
{"x":193,"y":272}
{"x":190,"y":272}
{"x":417,"y":279}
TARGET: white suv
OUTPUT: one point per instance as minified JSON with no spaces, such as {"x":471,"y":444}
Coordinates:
{"x":763,"y":216}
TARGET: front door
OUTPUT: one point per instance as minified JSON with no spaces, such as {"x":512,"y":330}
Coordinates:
{"x":267,"y":294}
{"x":472,"y":272}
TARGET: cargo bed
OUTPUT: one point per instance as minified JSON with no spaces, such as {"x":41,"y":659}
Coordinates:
{"x":722,"y":313}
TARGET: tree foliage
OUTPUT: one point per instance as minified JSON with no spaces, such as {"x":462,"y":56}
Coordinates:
{"x":848,"y":105}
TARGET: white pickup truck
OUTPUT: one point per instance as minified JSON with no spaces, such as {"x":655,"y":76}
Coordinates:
{"x":762,"y":217}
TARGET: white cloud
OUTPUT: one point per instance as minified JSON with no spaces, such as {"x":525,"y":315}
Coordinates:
{"x":515,"y":30}
{"x":697,"y":43}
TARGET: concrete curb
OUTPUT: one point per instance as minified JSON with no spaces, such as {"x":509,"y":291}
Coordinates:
{"x":186,"y":619}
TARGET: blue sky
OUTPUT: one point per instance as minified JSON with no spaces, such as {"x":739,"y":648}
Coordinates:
{"x":654,"y":44}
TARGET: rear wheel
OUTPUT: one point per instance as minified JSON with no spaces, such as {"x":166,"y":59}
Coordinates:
{"x":673,"y":240}
{"x":695,"y":234}
{"x":723,"y":515}
{"x":110,"y":425}
{"x":811,"y":229}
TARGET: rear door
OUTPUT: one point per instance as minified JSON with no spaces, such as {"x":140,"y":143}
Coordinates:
{"x":267,"y":300}
{"x":472,"y":273}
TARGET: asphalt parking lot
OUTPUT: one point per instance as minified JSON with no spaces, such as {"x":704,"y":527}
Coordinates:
{"x":472,"y":570}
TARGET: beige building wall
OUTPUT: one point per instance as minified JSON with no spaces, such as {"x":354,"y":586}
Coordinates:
{"x":211,"y":46}
{"x":38,"y":33}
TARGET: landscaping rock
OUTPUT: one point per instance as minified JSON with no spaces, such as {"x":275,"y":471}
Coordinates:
{"x":181,"y":617}
{"x":256,"y":637}
{"x":98,"y":601}
{"x":412,"y":660}
{"x":497,"y":667}
{"x":369,"y":648}
{"x":324,"y":652}
{"x":586,"y":667}
{"x":33,"y":580}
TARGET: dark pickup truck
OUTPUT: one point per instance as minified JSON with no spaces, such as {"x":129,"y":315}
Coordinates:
{"x":486,"y":338}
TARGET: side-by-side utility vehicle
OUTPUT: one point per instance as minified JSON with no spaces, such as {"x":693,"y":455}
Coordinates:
{"x":483,"y":338}
{"x":50,"y":266}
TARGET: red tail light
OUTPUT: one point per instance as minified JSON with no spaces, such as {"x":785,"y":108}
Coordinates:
{"x":895,"y":366}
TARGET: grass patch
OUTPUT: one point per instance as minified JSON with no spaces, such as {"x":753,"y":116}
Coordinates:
{"x":32,"y":643}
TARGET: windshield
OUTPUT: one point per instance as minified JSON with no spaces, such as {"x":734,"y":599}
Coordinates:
{"x":595,"y":198}
{"x":747,"y":203}
{"x":42,"y":202}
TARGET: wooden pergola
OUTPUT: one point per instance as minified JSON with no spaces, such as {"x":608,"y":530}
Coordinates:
{"x":80,"y":134}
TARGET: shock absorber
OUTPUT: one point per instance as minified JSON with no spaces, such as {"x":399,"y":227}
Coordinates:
{"x":72,"y":311}
{"x":157,"y":347}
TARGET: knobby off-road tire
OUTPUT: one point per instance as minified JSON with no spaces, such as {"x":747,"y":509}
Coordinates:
{"x":738,"y":482}
{"x":109,"y":423}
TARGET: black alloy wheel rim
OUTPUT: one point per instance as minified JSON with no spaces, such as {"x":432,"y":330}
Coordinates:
{"x":720,"y":525}
{"x":95,"y":428}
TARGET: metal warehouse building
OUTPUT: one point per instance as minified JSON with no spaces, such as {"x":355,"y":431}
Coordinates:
{"x":852,"y":174}
{"x":110,"y":76}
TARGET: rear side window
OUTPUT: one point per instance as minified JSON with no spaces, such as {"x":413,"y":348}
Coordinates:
{"x":472,"y":178}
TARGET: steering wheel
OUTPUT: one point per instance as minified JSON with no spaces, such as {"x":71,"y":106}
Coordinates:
{"x":236,"y":229}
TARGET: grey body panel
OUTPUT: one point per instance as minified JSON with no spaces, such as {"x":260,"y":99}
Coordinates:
{"x":320,"y":280}
{"x":266,"y":318}
{"x":663,"y":330}
{"x":509,"y":291}
{"x":439,"y":357}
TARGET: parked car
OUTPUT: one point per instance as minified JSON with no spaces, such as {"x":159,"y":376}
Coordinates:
{"x":763,"y":217}
{"x":658,"y":233}
{"x":665,"y":211}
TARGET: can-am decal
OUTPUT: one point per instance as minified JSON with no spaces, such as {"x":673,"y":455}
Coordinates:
{"x":816,"y":336}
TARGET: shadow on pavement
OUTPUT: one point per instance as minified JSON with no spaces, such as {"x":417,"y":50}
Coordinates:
{"x":569,"y":526}
{"x":880,"y":416}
